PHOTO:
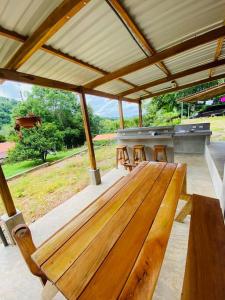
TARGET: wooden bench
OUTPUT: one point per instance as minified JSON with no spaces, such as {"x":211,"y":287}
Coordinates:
{"x":205,"y":266}
{"x":115,"y":247}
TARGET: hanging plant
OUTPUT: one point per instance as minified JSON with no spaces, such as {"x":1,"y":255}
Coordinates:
{"x":27,"y":122}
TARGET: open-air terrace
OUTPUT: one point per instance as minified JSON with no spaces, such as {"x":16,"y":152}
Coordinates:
{"x":153,"y":226}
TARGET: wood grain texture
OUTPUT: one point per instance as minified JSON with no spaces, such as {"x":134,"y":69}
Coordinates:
{"x":184,"y":86}
{"x":107,"y":284}
{"x":142,"y":280}
{"x":6,"y":195}
{"x":87,"y":130}
{"x":174,"y":50}
{"x":45,"y":31}
{"x":60,"y":261}
{"x":178,"y":75}
{"x":205,"y":265}
{"x":61,"y":236}
{"x":80,"y":273}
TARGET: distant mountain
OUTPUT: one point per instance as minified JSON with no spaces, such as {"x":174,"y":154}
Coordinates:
{"x":102,"y":107}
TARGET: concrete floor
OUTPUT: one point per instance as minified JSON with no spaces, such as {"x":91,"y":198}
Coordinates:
{"x":16,"y":282}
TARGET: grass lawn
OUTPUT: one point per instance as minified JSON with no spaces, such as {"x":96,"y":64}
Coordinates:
{"x":19,"y":167}
{"x":217,"y":125}
{"x":38,"y":192}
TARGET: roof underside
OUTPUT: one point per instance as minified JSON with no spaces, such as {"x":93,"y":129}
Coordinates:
{"x":96,"y":35}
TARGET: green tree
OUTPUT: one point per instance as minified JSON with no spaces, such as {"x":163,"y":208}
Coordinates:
{"x":57,"y":107}
{"x":37,"y":142}
{"x":6,"y":107}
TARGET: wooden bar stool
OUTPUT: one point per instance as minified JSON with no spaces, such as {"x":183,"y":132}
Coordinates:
{"x":122,"y":156}
{"x":138,"y":154}
{"x":160,"y":149}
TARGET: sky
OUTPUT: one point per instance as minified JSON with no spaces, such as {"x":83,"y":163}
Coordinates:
{"x":101,"y":106}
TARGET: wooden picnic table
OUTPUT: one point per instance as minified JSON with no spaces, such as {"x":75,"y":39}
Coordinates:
{"x":115,"y":247}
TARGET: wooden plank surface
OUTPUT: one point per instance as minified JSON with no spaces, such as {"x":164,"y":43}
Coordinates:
{"x":101,"y":251}
{"x":60,"y":261}
{"x":61,"y":236}
{"x":108,"y":285}
{"x":142,"y":280}
{"x":205,"y":265}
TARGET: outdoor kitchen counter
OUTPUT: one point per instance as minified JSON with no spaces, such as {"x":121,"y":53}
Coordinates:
{"x":189,"y":138}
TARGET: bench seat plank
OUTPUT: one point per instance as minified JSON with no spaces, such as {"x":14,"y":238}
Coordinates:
{"x":205,"y":265}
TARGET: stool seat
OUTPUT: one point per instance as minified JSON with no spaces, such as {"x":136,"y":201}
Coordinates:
{"x":160,"y":149}
{"x":138,"y":154}
{"x":122,"y":156}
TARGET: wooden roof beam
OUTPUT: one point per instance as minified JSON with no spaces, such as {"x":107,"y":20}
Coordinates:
{"x":178,"y":75}
{"x":120,"y":10}
{"x":217,"y":54}
{"x":184,"y":86}
{"x":13,"y":75}
{"x":169,"y":52}
{"x":20,"y":38}
{"x":59,"y":16}
{"x":205,"y":94}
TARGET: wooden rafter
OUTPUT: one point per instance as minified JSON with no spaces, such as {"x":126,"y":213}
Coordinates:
{"x":217,"y":54}
{"x":205,"y":94}
{"x":135,"y":30}
{"x":6,"y":74}
{"x":181,"y":74}
{"x":184,"y":86}
{"x":20,"y":38}
{"x":59,"y":16}
{"x":169,"y":52}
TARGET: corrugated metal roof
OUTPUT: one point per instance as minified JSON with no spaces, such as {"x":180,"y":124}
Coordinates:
{"x":47,"y":65}
{"x":24,"y":16}
{"x":160,"y":87}
{"x":7,"y":48}
{"x":166,"y":23}
{"x":193,"y":77}
{"x":114,"y":87}
{"x":192,"y":58}
{"x":219,"y":70}
{"x":97,"y":36}
{"x":145,"y":75}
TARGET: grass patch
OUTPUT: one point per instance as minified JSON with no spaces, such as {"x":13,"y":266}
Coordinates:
{"x":38,"y":192}
{"x":12,"y":169}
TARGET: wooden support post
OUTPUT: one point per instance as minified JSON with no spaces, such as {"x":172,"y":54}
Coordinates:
{"x":6,"y":196}
{"x":87,"y":129}
{"x":140,"y":114}
{"x":120,"y":104}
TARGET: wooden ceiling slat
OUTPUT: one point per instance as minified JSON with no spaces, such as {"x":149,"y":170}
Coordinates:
{"x":169,"y":52}
{"x":60,"y":15}
{"x":48,"y":49}
{"x":6,"y":74}
{"x":184,"y":86}
{"x":217,"y":54}
{"x":174,"y":76}
{"x":206,"y":94}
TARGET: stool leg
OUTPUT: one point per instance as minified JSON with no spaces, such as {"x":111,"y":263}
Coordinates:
{"x":127,"y":156}
{"x":165,"y":155}
{"x":155,"y":155}
{"x":143,"y":154}
{"x":117,"y":158}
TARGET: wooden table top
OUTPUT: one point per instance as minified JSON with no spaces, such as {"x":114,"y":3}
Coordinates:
{"x":115,"y":247}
